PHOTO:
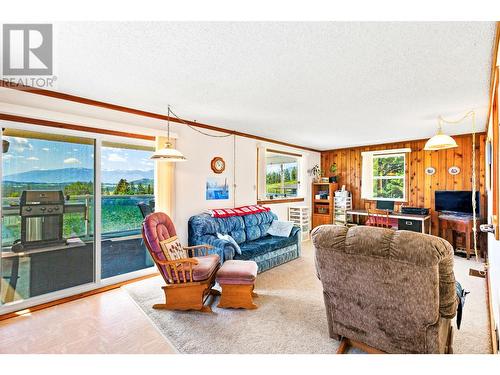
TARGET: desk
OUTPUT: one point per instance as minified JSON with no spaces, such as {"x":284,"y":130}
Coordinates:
{"x":457,"y":224}
{"x":424,"y":220}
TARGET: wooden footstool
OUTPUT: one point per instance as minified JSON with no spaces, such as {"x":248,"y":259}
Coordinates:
{"x":237,"y":279}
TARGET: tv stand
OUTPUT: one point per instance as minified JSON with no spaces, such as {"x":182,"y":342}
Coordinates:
{"x":453,"y":223}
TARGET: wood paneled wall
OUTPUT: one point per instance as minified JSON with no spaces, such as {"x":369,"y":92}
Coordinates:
{"x":421,"y":187}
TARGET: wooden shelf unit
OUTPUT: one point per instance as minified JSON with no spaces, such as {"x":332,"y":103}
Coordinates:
{"x":322,"y":209}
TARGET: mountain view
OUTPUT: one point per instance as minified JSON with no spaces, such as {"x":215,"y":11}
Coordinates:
{"x":33,"y":163}
{"x":68,"y":175}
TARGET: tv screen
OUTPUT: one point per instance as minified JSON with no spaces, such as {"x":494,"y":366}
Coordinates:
{"x":455,"y":201}
{"x":385,"y":205}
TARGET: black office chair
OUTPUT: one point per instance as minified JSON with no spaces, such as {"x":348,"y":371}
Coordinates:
{"x":146,"y":209}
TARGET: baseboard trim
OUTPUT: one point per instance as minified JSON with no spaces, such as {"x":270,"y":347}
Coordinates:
{"x":75,"y":297}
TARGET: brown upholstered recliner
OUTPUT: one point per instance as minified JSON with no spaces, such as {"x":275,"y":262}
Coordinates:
{"x":385,"y":290}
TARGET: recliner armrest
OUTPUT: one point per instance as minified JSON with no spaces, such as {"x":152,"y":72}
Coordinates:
{"x":448,"y":300}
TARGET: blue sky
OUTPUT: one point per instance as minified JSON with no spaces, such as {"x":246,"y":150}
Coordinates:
{"x":34,"y":154}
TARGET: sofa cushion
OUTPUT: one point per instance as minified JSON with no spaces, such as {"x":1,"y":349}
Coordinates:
{"x":239,"y":236}
{"x":256,"y":226}
{"x":263,"y":245}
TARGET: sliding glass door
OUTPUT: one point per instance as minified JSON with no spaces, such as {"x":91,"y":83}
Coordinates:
{"x":61,"y":235}
{"x":127,"y":183}
{"x":47,"y":213}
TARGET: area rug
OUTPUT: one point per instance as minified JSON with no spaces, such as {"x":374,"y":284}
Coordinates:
{"x":291,"y":315}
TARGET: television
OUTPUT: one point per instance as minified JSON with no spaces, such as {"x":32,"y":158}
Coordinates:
{"x":455,"y":201}
{"x":385,"y":205}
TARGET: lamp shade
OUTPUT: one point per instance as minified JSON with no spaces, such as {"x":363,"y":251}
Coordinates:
{"x":168,"y":153}
{"x":440,"y":142}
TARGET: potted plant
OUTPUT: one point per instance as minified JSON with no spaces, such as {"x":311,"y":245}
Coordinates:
{"x":315,"y":172}
{"x":333,"y":171}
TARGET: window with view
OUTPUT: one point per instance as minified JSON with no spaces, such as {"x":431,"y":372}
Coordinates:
{"x":282,"y":175}
{"x":384,"y":176}
{"x":127,"y":183}
{"x":47,"y":240}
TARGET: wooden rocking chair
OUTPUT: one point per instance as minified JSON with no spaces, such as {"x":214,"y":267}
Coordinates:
{"x":189,"y":281}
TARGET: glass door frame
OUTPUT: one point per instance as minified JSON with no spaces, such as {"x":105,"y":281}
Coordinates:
{"x":98,"y":281}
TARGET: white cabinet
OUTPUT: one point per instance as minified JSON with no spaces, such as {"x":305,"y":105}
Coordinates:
{"x":342,"y":204}
{"x":300,"y":216}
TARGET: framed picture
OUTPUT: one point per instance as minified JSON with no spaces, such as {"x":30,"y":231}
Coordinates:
{"x":430,"y":171}
{"x":217,"y":188}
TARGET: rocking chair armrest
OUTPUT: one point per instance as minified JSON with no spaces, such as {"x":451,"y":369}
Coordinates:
{"x":194,"y":250}
{"x":179,"y":270}
{"x":175,"y":262}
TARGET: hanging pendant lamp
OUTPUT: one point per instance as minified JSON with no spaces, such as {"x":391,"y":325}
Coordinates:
{"x":440,"y":141}
{"x":168,"y":153}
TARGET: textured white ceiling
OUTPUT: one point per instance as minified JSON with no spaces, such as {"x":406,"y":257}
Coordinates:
{"x":321,"y":85}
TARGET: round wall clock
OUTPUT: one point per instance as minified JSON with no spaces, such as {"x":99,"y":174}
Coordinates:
{"x":454,"y":170}
{"x":218,"y":165}
{"x":430,"y":171}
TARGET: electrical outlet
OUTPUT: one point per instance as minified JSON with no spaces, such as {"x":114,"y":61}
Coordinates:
{"x":477,"y":273}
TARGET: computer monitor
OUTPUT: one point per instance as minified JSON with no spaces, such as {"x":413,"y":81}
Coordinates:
{"x":385,"y":205}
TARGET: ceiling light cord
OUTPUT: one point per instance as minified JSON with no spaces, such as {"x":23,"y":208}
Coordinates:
{"x":194,"y":128}
{"x":472,"y":114}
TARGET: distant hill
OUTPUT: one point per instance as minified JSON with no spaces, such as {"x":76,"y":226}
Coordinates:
{"x":67,"y":175}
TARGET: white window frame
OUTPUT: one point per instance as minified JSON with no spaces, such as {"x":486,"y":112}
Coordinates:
{"x":367,"y":177}
{"x":262,"y":173}
{"x":98,"y":281}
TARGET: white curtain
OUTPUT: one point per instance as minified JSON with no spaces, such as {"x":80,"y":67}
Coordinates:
{"x":367,"y":175}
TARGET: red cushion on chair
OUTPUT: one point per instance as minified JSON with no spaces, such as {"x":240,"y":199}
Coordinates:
{"x":202,"y":271}
{"x":206,"y":265}
{"x":237,"y":272}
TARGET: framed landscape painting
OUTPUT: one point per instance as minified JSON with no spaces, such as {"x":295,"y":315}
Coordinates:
{"x":217,"y":188}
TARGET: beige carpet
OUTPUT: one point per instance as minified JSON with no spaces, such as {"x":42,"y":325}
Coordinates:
{"x":473,"y":336}
{"x":291,"y":317}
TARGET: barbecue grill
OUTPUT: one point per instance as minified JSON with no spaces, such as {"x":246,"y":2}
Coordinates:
{"x":41,"y":214}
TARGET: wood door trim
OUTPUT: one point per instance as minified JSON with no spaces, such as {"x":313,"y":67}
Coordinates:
{"x":115,"y":107}
{"x":494,"y":63}
{"x":75,"y":297}
{"x":64,"y":125}
{"x":491,"y":317}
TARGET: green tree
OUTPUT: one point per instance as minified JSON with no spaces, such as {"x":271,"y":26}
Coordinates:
{"x":79,"y":188}
{"x":131,"y":189}
{"x":122,"y":188}
{"x":286,"y":174}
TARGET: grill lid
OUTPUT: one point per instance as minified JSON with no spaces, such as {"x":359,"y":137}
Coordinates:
{"x":37,"y":197}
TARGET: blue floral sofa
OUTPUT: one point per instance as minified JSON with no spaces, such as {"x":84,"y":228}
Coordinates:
{"x":250,"y":232}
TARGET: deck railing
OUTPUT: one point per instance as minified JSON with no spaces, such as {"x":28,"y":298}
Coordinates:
{"x":119,"y":214}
